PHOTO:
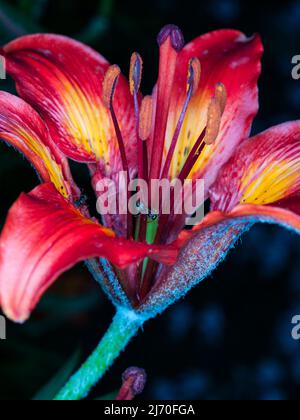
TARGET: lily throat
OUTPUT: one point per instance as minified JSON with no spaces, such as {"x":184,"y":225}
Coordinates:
{"x":156,"y":158}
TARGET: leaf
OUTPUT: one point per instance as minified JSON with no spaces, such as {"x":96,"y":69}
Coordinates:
{"x":49,"y":391}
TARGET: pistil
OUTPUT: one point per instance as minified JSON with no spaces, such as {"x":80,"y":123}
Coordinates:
{"x":171,"y":42}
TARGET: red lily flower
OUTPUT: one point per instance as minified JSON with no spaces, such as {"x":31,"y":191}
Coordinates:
{"x":193,"y":126}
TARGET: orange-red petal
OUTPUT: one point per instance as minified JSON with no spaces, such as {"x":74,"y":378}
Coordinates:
{"x":264,"y":170}
{"x":228,"y":57}
{"x":22,"y":127}
{"x":62,"y":79}
{"x":45,"y":235}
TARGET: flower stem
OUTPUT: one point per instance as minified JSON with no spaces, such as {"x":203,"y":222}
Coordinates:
{"x":124,"y":327}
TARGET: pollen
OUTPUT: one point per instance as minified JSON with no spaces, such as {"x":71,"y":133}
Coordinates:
{"x":135,"y":75}
{"x":109,"y":84}
{"x":221,"y":96}
{"x":194,"y":75}
{"x":214,"y":115}
{"x":146,"y":116}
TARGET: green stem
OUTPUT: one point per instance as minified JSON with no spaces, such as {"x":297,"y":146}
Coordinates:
{"x":123,"y":328}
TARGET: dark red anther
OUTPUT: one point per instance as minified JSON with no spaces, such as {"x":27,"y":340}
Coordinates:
{"x":177,"y":38}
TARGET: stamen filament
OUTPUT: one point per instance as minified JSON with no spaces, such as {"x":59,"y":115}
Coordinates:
{"x":193,"y":157}
{"x":177,"y":132}
{"x":124,"y":163}
{"x":120,"y":140}
{"x":109,"y":87}
{"x":135,"y":78}
{"x":192,"y":86}
{"x":139,"y":141}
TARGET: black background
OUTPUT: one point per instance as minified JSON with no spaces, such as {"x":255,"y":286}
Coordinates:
{"x":230,"y":338}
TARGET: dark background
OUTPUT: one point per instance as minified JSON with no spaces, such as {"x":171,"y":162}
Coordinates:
{"x":231,"y":337}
